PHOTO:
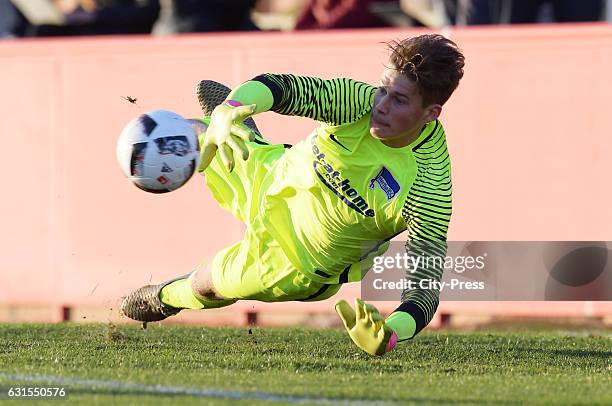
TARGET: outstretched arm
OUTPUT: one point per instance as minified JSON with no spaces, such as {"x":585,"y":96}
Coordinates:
{"x":427,"y":212}
{"x":334,"y":101}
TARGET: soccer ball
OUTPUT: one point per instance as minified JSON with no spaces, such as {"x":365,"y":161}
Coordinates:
{"x":158,"y":151}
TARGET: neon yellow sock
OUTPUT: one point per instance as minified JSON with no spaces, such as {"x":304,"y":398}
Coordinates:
{"x":180,"y":294}
{"x":403,"y":324}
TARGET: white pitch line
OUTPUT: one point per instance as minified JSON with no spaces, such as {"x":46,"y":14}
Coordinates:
{"x":178,"y":390}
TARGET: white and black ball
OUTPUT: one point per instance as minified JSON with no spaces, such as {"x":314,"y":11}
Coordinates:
{"x":158,"y":151}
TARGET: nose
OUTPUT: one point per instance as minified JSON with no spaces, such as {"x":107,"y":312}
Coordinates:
{"x":382,"y":107}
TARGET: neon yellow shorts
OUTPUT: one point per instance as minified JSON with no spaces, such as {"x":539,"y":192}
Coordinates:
{"x":255,"y":268}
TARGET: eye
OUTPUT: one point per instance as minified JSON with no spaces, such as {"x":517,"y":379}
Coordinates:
{"x":400,"y":100}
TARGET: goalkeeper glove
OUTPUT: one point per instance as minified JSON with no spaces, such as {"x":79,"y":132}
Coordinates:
{"x":225,"y":134}
{"x":366,"y":327}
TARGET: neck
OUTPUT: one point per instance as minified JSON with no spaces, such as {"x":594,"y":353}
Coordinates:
{"x":404,"y":139}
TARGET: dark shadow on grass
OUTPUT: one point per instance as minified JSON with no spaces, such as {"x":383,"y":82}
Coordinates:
{"x":584,"y":353}
{"x":111,"y":392}
{"x":245,"y":396}
{"x":457,"y":401}
{"x":305,"y":399}
{"x":571,"y":353}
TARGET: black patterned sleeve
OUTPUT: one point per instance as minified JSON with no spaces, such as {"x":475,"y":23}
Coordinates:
{"x":335,"y":101}
{"x":427,"y":212}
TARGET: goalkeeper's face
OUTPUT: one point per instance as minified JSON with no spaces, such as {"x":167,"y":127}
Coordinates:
{"x":398,"y":114}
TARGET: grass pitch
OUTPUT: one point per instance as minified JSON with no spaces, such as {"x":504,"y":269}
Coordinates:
{"x":105,"y":364}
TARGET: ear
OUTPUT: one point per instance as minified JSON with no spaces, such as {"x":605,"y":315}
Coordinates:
{"x":432,"y":112}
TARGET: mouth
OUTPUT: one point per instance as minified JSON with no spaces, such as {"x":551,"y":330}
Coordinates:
{"x":375,"y":123}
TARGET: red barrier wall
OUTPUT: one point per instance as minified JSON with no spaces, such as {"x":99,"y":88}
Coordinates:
{"x":527,"y":130}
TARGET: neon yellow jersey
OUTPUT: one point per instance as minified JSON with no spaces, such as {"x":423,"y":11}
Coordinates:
{"x":340,"y":192}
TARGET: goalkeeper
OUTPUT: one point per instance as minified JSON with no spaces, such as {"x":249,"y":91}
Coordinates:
{"x":318,"y":212}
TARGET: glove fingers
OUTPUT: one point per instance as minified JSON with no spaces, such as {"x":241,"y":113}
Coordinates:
{"x":360,"y":310}
{"x":347,"y":315}
{"x":227,"y":156}
{"x":206,"y":156}
{"x":370,"y":308}
{"x":238,"y":147}
{"x":242,"y":133}
{"x":241,"y":112}
{"x":378,"y":322}
{"x":376,"y":317}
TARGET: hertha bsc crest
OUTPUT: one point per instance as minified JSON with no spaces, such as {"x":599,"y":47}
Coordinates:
{"x":387,"y":183}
